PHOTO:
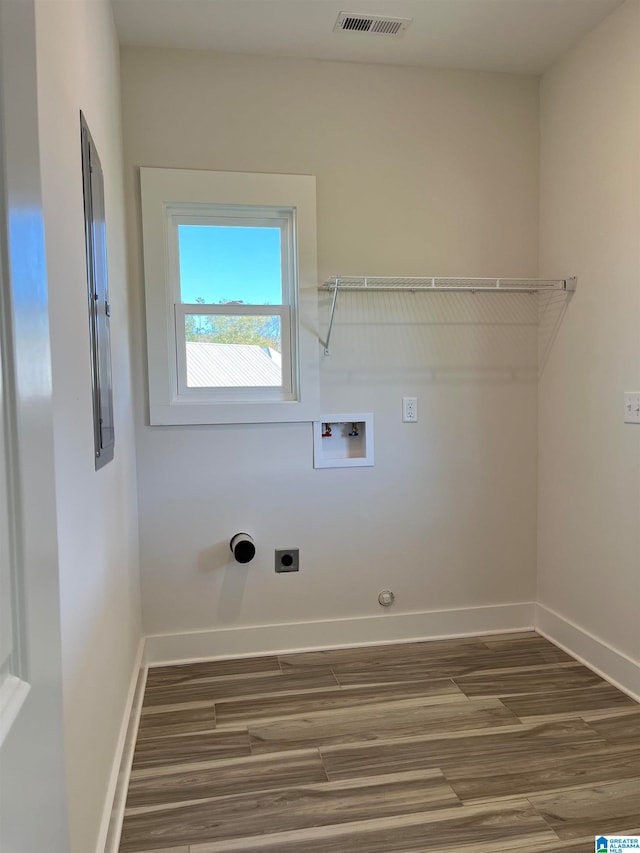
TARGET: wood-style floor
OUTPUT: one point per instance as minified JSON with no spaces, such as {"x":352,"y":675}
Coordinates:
{"x":479,"y":744}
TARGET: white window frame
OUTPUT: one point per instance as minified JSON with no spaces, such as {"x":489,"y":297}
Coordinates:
{"x":236,"y":216}
{"x":172,"y":197}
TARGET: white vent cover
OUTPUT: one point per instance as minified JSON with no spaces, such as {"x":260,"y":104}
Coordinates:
{"x":380,"y":25}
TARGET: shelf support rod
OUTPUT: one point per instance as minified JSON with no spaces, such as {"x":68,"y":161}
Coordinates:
{"x":333,"y":311}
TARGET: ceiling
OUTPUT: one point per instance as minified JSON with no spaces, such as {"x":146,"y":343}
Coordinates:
{"x":522,"y":36}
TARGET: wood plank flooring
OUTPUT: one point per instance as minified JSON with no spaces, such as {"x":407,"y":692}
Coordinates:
{"x":500,"y":743}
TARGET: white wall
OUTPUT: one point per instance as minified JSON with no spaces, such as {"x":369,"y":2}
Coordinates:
{"x":589,"y":476}
{"x":419,"y":172}
{"x":78,"y":64}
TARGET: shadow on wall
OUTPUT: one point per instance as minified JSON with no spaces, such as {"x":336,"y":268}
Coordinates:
{"x":441,"y":338}
{"x":551,"y":311}
{"x":219,"y":559}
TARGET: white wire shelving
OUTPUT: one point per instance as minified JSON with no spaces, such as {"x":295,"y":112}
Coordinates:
{"x":441,"y":284}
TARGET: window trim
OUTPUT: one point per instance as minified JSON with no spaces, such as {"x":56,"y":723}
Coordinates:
{"x":189,"y":194}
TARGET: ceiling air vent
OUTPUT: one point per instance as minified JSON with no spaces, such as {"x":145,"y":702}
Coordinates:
{"x":379,"y":25}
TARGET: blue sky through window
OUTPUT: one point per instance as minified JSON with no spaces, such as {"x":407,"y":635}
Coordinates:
{"x":231,"y":263}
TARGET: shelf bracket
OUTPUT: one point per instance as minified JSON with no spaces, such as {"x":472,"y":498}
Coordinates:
{"x":333,"y":311}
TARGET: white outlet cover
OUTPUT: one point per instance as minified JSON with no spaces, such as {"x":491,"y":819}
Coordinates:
{"x":632,"y":407}
{"x":409,"y":410}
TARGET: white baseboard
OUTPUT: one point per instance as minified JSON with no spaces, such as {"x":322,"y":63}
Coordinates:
{"x":113,"y":814}
{"x":611,"y":664}
{"x":334,"y":633}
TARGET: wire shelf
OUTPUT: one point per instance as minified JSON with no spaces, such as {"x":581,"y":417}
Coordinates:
{"x":439,"y":283}
{"x":509,"y":285}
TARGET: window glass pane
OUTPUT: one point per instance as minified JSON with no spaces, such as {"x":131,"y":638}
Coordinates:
{"x":221,"y":264}
{"x":231,"y":350}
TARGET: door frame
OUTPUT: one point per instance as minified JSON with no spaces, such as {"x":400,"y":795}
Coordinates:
{"x":33,"y":799}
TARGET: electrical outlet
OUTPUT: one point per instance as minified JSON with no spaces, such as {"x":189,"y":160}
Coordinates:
{"x":287,"y":560}
{"x":632,"y":407}
{"x":409,"y":410}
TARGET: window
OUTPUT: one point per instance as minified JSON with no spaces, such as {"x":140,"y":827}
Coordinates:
{"x":99,"y":310}
{"x":230,"y":284}
{"x":233,"y":301}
